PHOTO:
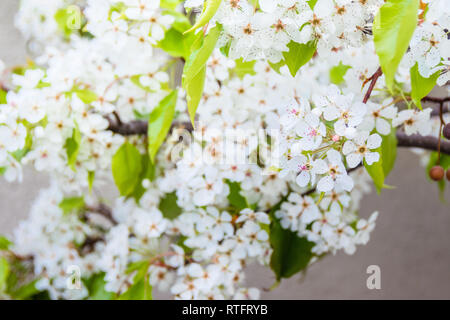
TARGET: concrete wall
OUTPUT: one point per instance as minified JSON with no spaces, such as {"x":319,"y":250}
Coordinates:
{"x":410,"y":243}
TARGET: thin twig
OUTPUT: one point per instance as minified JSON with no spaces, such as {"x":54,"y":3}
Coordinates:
{"x":373,"y":80}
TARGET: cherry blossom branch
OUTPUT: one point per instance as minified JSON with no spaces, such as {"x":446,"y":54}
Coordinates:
{"x":140,"y":127}
{"x":373,"y":80}
{"x":423,"y":142}
{"x":104,"y":211}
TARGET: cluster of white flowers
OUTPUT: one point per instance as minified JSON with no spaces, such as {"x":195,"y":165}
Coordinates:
{"x":266,"y":147}
{"x":266,"y":32}
{"x":429,"y":47}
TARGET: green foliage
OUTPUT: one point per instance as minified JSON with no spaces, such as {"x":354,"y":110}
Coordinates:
{"x":91,"y":178}
{"x":170,"y":4}
{"x":141,"y":288}
{"x":175,"y":42}
{"x":3,"y":94}
{"x":378,"y":171}
{"x":420,"y":86}
{"x":61,"y":17}
{"x":209,"y":10}
{"x":235,"y":198}
{"x":169,"y":207}
{"x":4,"y":273}
{"x":312,"y":3}
{"x":72,"y":147}
{"x":291,"y":253}
{"x":160,"y":122}
{"x":68,"y":205}
{"x":147,"y":172}
{"x":338,"y":72}
{"x":26,"y":291}
{"x":5,"y":243}
{"x":298,"y":55}
{"x":244,"y":67}
{"x":85,"y":95}
{"x":126,"y":168}
{"x":96,"y":287}
{"x":195,"y":69}
{"x":392,"y":29}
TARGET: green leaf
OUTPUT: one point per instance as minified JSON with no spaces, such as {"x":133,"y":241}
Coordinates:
{"x":392,"y":30}
{"x":148,"y":172}
{"x":126,"y":168}
{"x":209,"y":10}
{"x":61,"y":18}
{"x":312,"y":3}
{"x":376,"y":173}
{"x":277,"y":66}
{"x":244,"y":67}
{"x":235,"y":198}
{"x":86,"y":95}
{"x":140,"y":290}
{"x":26,"y":291}
{"x":195,"y":70}
{"x":68,"y":205}
{"x":96,"y":287}
{"x":3,"y":95}
{"x":91,"y":178}
{"x":4,"y":273}
{"x":379,"y":170}
{"x":291,"y":253}
{"x":169,"y":207}
{"x":298,"y":55}
{"x":420,"y":86}
{"x":194,"y":92}
{"x":176,"y":44}
{"x":169,"y":4}
{"x":72,"y":147}
{"x":389,"y":152}
{"x":338,"y":72}
{"x":5,"y":243}
{"x":160,"y":122}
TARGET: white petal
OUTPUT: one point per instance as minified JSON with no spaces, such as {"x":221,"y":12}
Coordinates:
{"x":372,"y":157}
{"x":374,"y":141}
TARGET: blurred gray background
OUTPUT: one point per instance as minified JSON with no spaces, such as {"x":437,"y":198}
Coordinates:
{"x":410,"y":243}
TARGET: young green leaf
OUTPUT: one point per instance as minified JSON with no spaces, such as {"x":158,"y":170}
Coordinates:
{"x":291,"y":254}
{"x":169,"y":207}
{"x":96,"y":287}
{"x":126,"y":168}
{"x":244,"y":67}
{"x":68,"y":205}
{"x":420,"y":86}
{"x":160,"y":122}
{"x":209,"y":10}
{"x":298,"y":55}
{"x":195,"y":70}
{"x":72,"y":147}
{"x":392,"y":30}
{"x":235,"y":198}
{"x":379,"y":170}
{"x":338,"y":72}
{"x":86,"y":95}
{"x":4,"y":273}
{"x":389,"y":152}
{"x":5,"y":243}
{"x":140,"y":290}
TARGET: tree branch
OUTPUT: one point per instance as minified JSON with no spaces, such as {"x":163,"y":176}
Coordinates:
{"x":373,"y":80}
{"x":424,"y":142}
{"x":140,"y":127}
